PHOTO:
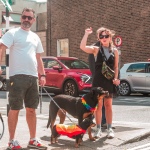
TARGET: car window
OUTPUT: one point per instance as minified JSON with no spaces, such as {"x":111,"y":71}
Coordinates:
{"x":138,"y":68}
{"x":148,"y":68}
{"x":51,"y":63}
{"x":44,"y":62}
{"x":75,"y":64}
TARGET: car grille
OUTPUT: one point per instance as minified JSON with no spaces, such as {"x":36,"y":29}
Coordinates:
{"x":89,"y":81}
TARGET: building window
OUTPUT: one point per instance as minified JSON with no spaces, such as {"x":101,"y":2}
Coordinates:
{"x":63,"y":47}
{"x":14,"y":18}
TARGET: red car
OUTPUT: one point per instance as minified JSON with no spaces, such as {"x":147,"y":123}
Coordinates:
{"x":67,"y":75}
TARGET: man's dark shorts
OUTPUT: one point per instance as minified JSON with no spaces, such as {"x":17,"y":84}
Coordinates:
{"x":23,"y":88}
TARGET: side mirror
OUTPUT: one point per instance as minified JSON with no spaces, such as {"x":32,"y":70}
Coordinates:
{"x":56,"y":68}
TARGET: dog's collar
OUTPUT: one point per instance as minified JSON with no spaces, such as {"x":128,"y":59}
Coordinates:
{"x":88,"y":107}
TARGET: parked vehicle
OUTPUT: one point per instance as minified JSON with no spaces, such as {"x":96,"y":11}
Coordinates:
{"x":135,"y":77}
{"x":67,"y":75}
{"x":3,"y":78}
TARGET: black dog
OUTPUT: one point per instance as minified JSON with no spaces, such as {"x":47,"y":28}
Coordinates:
{"x":79,"y":108}
{"x":73,"y":131}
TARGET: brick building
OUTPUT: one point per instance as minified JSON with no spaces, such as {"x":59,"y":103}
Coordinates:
{"x":67,"y":20}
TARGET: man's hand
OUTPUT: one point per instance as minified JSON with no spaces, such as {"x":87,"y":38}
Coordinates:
{"x":42,"y":81}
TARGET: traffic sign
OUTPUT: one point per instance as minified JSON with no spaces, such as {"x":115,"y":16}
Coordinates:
{"x":7,"y":4}
{"x":118,"y":41}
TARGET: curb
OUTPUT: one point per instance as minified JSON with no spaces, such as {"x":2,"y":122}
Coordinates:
{"x":137,"y":138}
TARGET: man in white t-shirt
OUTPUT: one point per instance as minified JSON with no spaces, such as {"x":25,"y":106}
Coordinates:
{"x":24,"y":65}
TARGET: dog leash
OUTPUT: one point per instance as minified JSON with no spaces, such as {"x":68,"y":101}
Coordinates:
{"x":1,"y":134}
{"x":56,"y":104}
{"x":41,"y":100}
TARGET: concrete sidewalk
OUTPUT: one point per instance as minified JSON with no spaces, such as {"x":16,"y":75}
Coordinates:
{"x":124,"y":133}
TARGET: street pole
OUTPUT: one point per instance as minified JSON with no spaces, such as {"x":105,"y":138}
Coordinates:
{"x":7,"y":57}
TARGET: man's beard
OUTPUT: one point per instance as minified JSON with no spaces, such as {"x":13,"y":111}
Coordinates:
{"x":26,"y":24}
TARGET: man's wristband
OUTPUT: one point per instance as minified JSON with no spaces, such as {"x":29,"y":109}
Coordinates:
{"x":43,"y":75}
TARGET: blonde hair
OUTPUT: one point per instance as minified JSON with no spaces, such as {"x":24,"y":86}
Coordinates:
{"x":111,"y":33}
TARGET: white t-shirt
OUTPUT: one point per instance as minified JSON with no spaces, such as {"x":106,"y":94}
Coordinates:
{"x":23,"y":47}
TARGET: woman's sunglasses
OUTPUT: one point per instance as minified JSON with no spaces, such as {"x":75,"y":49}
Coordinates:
{"x":103,"y":36}
{"x":29,"y":17}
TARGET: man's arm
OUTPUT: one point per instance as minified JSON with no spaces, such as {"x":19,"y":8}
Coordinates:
{"x":40,"y":64}
{"x":41,"y":69}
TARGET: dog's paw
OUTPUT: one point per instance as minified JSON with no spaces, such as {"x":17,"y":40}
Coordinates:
{"x":56,"y":141}
{"x":76,"y":145}
{"x":92,"y":138}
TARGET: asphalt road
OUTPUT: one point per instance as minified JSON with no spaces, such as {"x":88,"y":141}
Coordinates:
{"x":133,"y":109}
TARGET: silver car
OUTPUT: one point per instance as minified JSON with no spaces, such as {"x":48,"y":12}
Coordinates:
{"x":3,"y":85}
{"x":135,"y":77}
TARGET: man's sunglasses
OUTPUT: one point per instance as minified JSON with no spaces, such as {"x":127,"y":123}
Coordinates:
{"x":29,"y":17}
{"x":103,"y":36}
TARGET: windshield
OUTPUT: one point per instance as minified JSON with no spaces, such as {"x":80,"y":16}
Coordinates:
{"x":75,"y":64}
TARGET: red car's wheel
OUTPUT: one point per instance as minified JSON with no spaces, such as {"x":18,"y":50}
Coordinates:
{"x":70,"y":88}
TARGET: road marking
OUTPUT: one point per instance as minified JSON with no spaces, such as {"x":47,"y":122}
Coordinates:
{"x":3,"y":107}
{"x":3,"y":99}
{"x":142,"y":147}
{"x":129,"y":123}
{"x":142,"y":101}
{"x":2,"y":110}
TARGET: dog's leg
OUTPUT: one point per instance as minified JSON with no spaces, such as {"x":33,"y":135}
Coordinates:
{"x":77,"y":142}
{"x":52,"y":124}
{"x":52,"y":139}
{"x":90,"y":134}
{"x":62,"y":116}
{"x":55,"y":135}
{"x":80,"y":141}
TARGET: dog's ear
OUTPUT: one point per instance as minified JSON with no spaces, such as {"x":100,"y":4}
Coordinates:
{"x":96,"y":89}
{"x":91,"y":117}
{"x":93,"y":89}
{"x":100,"y":88}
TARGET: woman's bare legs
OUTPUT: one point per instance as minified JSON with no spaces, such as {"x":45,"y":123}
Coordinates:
{"x":98,"y":118}
{"x":108,"y":112}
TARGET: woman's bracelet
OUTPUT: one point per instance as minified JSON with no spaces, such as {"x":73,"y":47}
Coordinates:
{"x":115,"y":79}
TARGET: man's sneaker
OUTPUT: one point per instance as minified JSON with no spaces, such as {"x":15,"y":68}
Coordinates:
{"x":14,"y":145}
{"x":36,"y":144}
{"x":110,"y":134}
{"x":97,"y":133}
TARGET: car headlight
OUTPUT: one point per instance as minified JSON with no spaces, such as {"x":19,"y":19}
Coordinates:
{"x":85,"y":78}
